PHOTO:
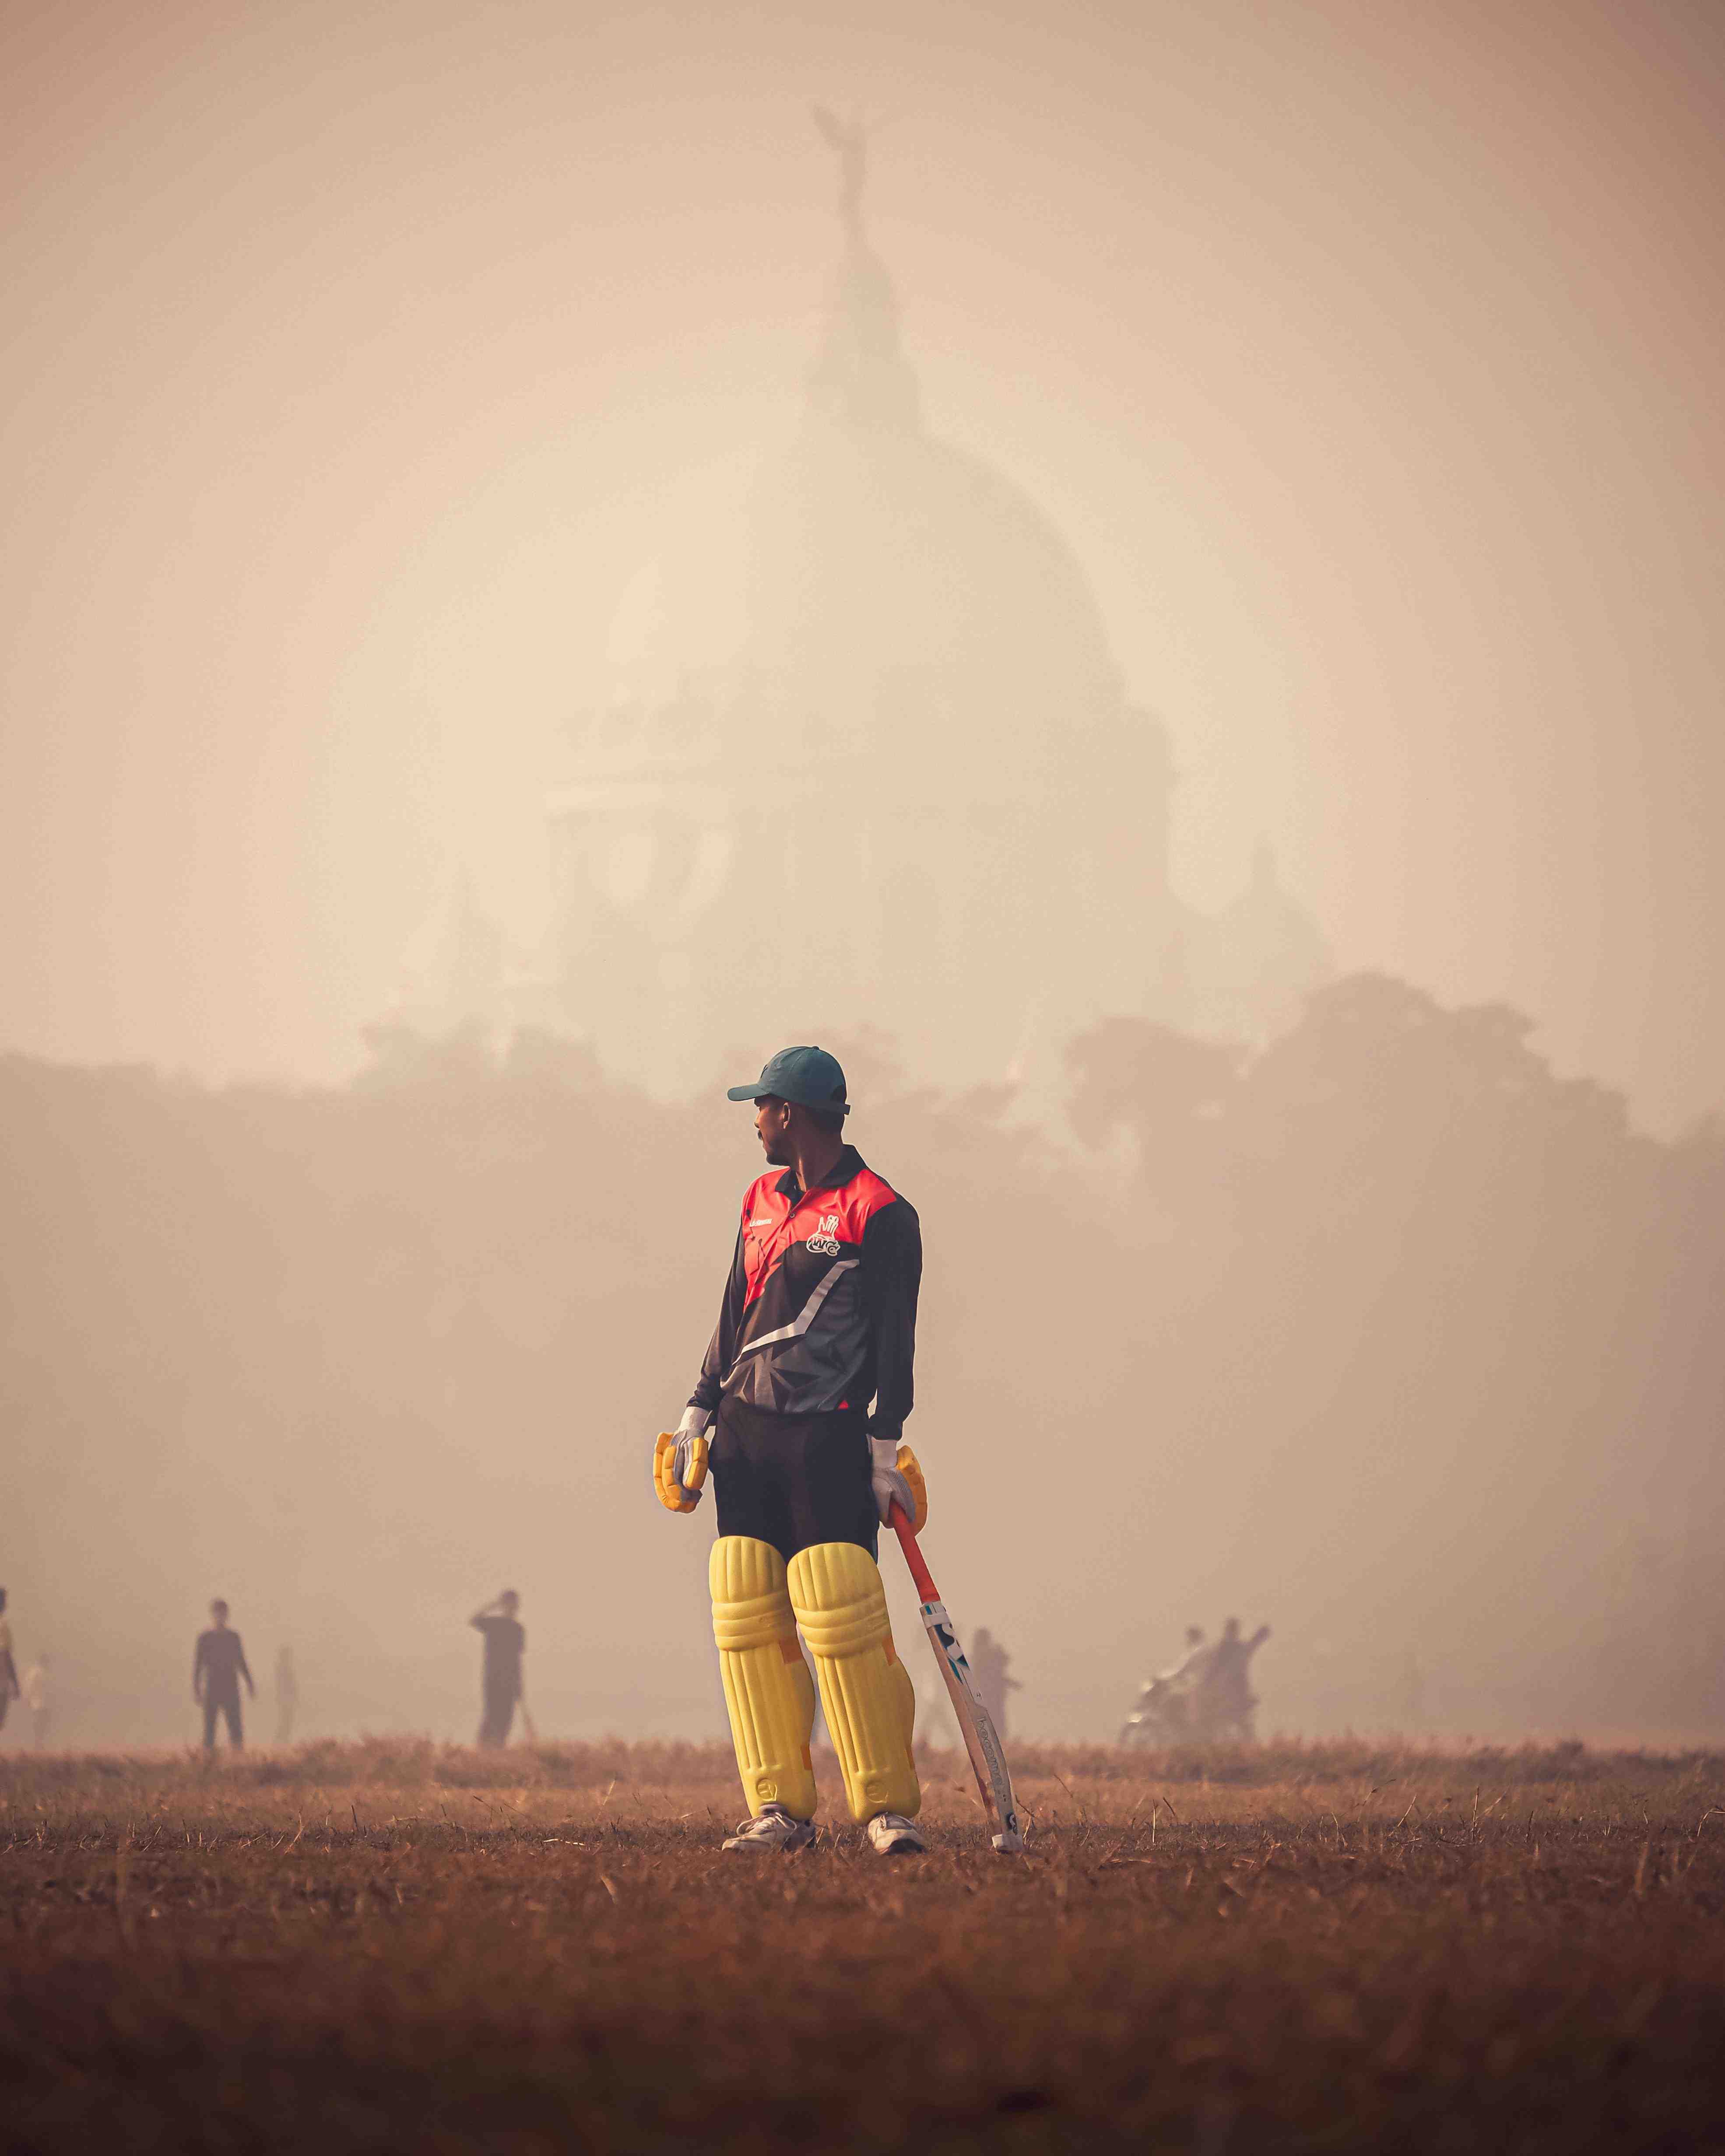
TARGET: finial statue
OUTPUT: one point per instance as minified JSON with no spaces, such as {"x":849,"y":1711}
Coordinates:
{"x":849,"y":140}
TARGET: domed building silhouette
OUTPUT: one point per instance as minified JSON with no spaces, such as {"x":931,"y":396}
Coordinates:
{"x":872,"y":764}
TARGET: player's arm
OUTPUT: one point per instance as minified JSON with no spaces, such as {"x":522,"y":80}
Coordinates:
{"x":680,"y":1456}
{"x":199,"y":1660}
{"x":245,"y":1667}
{"x":722,"y":1348}
{"x":892,"y":1279}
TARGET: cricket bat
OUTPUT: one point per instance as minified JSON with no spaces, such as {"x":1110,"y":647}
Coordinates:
{"x":988,"y":1762}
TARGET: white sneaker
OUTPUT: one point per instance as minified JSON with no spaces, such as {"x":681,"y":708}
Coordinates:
{"x":893,"y":1835}
{"x":774,"y":1828}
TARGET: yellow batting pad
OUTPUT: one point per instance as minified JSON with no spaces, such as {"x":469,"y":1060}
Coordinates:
{"x":871,"y":1703}
{"x":674,"y":1496}
{"x":911,"y":1468}
{"x":767,"y":1692}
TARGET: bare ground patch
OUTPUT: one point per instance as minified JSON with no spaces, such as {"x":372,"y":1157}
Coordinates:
{"x":412,"y":1947}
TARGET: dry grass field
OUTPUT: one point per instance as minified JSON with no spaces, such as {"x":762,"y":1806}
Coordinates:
{"x":389,"y":1946}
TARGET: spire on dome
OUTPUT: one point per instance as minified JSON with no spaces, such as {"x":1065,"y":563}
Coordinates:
{"x":849,"y":142}
{"x":860,"y":376}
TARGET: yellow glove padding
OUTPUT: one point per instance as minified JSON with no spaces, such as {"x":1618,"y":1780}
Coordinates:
{"x":674,"y":1496}
{"x":910,"y":1467}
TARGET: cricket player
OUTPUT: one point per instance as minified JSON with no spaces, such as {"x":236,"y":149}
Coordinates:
{"x":797,"y":1412}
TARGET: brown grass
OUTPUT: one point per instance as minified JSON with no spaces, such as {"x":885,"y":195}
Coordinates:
{"x":398,"y":1946}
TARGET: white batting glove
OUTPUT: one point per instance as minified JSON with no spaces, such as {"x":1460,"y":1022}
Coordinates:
{"x":693,"y":1425}
{"x":888,"y":1483}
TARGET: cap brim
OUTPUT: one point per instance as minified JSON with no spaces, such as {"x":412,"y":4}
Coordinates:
{"x":751,"y":1091}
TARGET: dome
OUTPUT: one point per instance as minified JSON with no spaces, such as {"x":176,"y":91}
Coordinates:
{"x":861,"y":759}
{"x":864,"y":693}
{"x":860,"y":584}
{"x":887,"y":552}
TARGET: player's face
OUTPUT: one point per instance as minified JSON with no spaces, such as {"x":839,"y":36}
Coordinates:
{"x":772,"y":1126}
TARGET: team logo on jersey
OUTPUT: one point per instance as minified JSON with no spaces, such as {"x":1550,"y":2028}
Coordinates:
{"x":823,"y":1243}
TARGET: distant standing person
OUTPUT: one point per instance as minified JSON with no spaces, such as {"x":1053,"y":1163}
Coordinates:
{"x":216,"y":1668}
{"x":505,"y":1644}
{"x":287,"y":1695}
{"x":989,"y":1662}
{"x":8,"y":1668}
{"x":38,"y":1700}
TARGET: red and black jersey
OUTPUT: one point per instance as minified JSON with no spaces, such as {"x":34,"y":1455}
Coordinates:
{"x":820,"y":1309}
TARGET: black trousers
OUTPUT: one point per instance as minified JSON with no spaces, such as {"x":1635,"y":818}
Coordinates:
{"x":499,"y":1712}
{"x":793,"y":1480}
{"x":222,"y":1702}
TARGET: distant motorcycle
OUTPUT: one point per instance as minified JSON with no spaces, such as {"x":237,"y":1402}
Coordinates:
{"x":1159,"y":1719}
{"x":1172,"y":1709}
{"x":1202,"y":1700}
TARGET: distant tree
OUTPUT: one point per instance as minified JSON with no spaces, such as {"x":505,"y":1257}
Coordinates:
{"x":1391,"y":1314}
{"x":1170,"y":1095}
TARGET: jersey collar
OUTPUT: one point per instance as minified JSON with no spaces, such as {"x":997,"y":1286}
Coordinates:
{"x":849,"y":1163}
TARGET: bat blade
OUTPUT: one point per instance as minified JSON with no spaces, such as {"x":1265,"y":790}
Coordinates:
{"x":988,"y":1759}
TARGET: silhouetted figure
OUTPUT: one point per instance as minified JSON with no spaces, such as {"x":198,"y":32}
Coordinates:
{"x":8,"y":1668}
{"x":505,"y":1642}
{"x":989,"y":1662}
{"x":1224,"y":1700}
{"x":39,"y":1700}
{"x":216,"y":1668}
{"x":287,"y":1695}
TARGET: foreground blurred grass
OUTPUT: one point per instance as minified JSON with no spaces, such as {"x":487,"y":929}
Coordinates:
{"x":396,"y":1945}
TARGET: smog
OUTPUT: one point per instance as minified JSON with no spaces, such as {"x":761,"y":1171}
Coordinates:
{"x":539,"y":584}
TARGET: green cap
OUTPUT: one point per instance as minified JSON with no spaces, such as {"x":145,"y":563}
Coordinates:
{"x":807,"y":1076}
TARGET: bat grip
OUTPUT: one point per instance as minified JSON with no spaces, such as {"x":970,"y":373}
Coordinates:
{"x":913,"y":1555}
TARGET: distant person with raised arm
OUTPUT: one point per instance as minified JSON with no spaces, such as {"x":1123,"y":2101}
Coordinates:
{"x":216,"y":1668}
{"x":505,"y":1644}
{"x":1226,"y":1700}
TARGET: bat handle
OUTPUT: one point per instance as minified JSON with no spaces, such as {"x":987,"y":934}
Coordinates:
{"x":913,"y":1555}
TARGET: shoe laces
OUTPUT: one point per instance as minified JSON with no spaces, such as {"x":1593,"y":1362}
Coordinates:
{"x":773,"y":1812}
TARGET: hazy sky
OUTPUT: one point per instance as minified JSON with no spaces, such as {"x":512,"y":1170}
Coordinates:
{"x":358,"y":355}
